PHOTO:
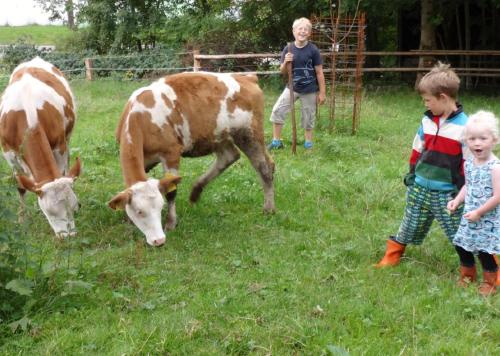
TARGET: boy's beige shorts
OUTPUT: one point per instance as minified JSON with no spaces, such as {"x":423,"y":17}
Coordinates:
{"x":283,"y":107}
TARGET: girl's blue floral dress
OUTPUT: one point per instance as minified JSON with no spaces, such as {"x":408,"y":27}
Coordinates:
{"x":482,"y":235}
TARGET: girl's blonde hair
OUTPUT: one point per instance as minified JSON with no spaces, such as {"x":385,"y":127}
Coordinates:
{"x":485,"y":119}
{"x":304,"y":20}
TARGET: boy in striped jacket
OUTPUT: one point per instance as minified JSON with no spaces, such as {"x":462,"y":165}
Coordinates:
{"x":436,"y":165}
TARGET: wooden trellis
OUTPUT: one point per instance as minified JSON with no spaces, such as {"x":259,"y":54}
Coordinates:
{"x":341,"y":40}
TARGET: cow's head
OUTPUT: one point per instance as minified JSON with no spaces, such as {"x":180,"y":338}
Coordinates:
{"x":143,"y":202}
{"x":57,"y":200}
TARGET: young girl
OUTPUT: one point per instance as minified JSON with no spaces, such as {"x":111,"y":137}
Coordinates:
{"x":479,"y":231}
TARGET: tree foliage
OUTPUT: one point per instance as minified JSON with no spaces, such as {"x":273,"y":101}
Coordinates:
{"x":222,"y":26}
{"x":61,"y":10}
{"x":216,"y":26}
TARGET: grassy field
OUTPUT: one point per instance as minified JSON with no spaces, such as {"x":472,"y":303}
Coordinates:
{"x":231,"y":280}
{"x":40,"y":35}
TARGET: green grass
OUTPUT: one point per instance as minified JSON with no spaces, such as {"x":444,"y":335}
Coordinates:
{"x":36,"y":34}
{"x":231,"y":280}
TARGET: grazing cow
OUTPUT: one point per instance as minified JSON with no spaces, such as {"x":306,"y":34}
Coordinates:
{"x":190,"y":115}
{"x":37,"y":114}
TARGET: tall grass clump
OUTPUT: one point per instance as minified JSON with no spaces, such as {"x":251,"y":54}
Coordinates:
{"x":18,"y":273}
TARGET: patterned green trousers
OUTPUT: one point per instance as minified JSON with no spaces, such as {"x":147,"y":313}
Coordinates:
{"x":422,"y":207}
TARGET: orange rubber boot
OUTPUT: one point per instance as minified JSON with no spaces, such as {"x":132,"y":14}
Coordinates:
{"x":467,"y":276}
{"x":498,"y":274}
{"x":393,"y":253}
{"x":488,"y":285}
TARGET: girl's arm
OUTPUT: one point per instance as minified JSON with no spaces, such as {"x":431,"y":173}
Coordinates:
{"x":492,"y":202}
{"x":459,"y":199}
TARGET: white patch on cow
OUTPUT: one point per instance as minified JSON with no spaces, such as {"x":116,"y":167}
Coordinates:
{"x":59,"y":203}
{"x":226,"y":120}
{"x":145,"y":209}
{"x":29,"y":95}
{"x":160,"y":111}
{"x":17,"y":163}
{"x":232,"y":85}
{"x":127,"y":135}
{"x":38,"y":62}
{"x":237,"y":119}
{"x":184,"y":131}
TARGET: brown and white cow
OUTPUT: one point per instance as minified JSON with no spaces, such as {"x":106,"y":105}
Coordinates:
{"x":190,"y":115}
{"x":37,"y":115}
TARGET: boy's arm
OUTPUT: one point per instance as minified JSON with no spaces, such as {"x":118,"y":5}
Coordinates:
{"x":320,"y":76}
{"x":492,"y":202}
{"x":417,"y":148}
{"x":283,"y":66}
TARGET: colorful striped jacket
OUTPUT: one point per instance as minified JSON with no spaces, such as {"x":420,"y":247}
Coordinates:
{"x":438,"y":152}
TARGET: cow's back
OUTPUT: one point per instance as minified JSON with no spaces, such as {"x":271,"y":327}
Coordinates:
{"x":215,"y":106}
{"x":191,"y":113}
{"x":38,"y":98}
{"x":202,"y":97}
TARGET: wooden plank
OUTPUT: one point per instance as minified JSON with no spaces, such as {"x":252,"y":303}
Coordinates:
{"x":413,"y":53}
{"x":236,"y":56}
{"x":89,"y":72}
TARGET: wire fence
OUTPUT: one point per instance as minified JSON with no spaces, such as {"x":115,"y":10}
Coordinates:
{"x":394,"y":65}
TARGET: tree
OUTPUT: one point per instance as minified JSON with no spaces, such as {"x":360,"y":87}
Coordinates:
{"x":121,"y":26}
{"x":427,"y":34}
{"x":61,"y":10}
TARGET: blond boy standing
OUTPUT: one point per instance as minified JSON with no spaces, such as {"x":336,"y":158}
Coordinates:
{"x":308,"y":83}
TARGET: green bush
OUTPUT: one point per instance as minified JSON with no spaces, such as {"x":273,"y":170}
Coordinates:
{"x":147,"y":63}
{"x":150,"y":62}
{"x":19,"y":52}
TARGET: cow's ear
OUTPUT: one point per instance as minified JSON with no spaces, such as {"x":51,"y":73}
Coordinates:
{"x":75,"y":171}
{"x":169,"y":183}
{"x":27,"y":183}
{"x":120,"y":200}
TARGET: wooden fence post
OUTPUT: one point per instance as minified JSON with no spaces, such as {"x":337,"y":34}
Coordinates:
{"x":196,"y":61}
{"x":89,"y":69}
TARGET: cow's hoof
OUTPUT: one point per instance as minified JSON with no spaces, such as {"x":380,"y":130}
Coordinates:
{"x":169,"y":226}
{"x":195,"y":194}
{"x":269,"y":210}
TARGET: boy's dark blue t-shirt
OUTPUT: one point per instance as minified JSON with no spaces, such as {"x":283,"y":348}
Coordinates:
{"x":304,"y":61}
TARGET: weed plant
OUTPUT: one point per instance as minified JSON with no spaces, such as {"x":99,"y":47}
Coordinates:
{"x":231,"y":280}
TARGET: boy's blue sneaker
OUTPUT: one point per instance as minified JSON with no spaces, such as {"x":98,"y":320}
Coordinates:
{"x":275,"y":145}
{"x":308,"y":145}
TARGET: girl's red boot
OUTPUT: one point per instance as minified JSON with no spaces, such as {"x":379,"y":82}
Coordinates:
{"x":467,"y":276}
